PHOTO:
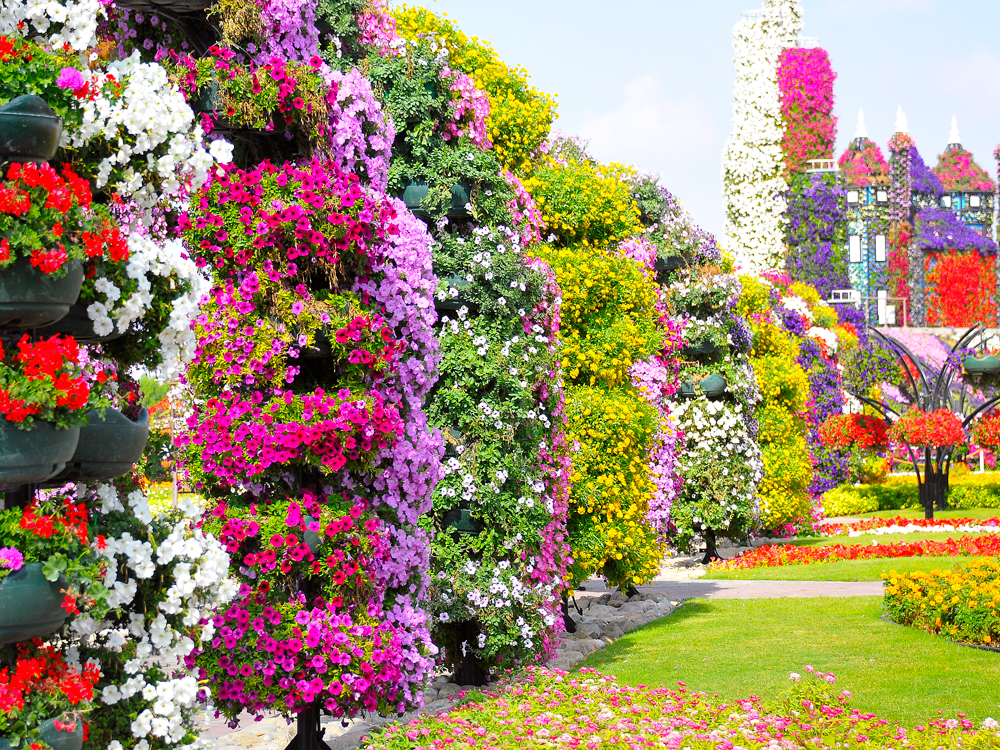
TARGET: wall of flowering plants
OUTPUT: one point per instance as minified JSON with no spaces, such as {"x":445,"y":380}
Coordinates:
{"x":127,"y":594}
{"x":500,"y":549}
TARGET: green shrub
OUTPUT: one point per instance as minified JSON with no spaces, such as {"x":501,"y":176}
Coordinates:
{"x":896,"y":493}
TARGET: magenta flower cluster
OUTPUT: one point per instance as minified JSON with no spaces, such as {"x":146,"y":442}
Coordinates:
{"x":805,"y":83}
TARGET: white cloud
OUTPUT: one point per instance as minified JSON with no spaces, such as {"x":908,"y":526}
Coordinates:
{"x":649,"y":129}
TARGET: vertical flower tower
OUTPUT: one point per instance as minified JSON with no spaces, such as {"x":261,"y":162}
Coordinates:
{"x":752,"y":163}
{"x":817,"y":254}
{"x":942,"y":258}
{"x":866,"y":176}
{"x":308,"y":438}
{"x":500,"y":550}
{"x":99,"y":601}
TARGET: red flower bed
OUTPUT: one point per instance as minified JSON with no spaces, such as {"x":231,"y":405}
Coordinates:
{"x":870,"y":524}
{"x":774,"y":555}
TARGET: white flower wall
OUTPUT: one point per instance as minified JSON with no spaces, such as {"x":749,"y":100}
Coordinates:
{"x":752,"y":162}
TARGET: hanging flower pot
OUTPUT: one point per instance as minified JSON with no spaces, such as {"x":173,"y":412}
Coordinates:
{"x":109,"y":446}
{"x":701,"y":349}
{"x":78,"y":324}
{"x":31,"y":298}
{"x":460,"y":198}
{"x":666,"y":266}
{"x":713,"y":387}
{"x":460,"y":521}
{"x":30,"y":604}
{"x":29,"y":130}
{"x":32,"y":456}
{"x":452,"y":440}
{"x":56,"y":737}
{"x":453,"y":304}
{"x":982,"y":365}
{"x":413,"y":196}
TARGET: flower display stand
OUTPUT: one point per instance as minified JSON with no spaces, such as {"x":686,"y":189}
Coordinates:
{"x":309,"y":732}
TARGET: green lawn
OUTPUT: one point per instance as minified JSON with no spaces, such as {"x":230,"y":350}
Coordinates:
{"x":845,"y":570}
{"x":738,"y":648}
{"x":919,"y":513}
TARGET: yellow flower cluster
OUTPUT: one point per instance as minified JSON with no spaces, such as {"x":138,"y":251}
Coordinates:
{"x":584,"y":202}
{"x":608,"y":314}
{"x":520,"y":116}
{"x":611,"y":486}
{"x":960,"y":604}
{"x":784,"y":386}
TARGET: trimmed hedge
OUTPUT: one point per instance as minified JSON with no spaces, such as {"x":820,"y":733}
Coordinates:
{"x":967,"y":491}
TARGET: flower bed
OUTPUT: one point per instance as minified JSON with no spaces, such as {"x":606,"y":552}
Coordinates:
{"x":900,"y":525}
{"x":960,"y":604}
{"x":775,"y":555}
{"x":548,"y":708}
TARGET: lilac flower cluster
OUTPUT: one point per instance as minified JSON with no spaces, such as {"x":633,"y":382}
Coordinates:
{"x":289,"y":31}
{"x":361,"y":133}
{"x":656,"y":384}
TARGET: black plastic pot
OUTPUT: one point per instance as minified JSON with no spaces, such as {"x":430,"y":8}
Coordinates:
{"x":460,"y":198}
{"x":460,"y":521}
{"x":30,"y":298}
{"x":108,"y":448}
{"x":29,"y":130}
{"x":32,"y":456}
{"x":30,"y":605}
{"x":701,"y":349}
{"x":78,"y":324}
{"x":666,"y":266}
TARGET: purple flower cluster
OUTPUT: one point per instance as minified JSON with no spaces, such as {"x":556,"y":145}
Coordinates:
{"x":923,"y":179}
{"x":289,"y":30}
{"x":815,"y":209}
{"x":939,"y":230}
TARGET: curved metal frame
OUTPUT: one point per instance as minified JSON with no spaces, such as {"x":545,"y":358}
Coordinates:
{"x":931,"y":391}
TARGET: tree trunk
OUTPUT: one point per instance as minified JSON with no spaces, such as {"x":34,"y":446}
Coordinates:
{"x":711,"y":553}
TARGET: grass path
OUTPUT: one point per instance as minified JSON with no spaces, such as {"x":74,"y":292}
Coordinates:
{"x":740,"y":647}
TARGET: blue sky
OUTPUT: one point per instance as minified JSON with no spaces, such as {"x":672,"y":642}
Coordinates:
{"x":649,"y":82}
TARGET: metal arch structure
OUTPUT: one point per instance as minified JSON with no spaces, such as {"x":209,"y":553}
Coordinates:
{"x":930,"y":391}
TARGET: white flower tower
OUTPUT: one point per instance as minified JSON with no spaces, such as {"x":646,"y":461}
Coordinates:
{"x":752,"y":161}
